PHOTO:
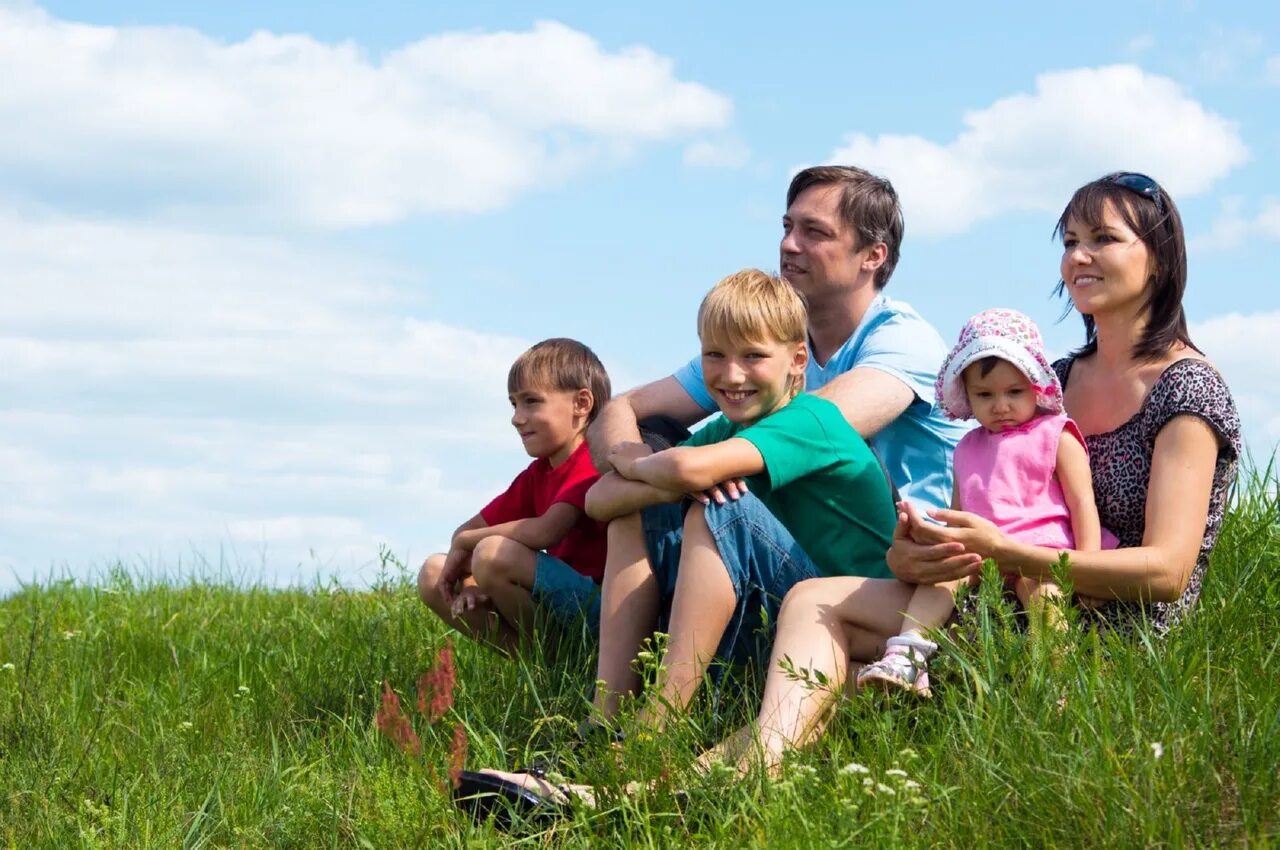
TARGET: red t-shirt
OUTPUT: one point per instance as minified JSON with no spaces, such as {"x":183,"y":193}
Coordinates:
{"x":539,"y":487}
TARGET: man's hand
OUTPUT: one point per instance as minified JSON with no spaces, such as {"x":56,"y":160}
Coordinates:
{"x":623,"y":457}
{"x":457,"y":566}
{"x":919,"y":555}
{"x":468,"y":599}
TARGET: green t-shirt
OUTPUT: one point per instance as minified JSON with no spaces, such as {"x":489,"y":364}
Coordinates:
{"x":821,"y":482}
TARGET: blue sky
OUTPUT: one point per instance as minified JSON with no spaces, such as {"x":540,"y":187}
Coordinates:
{"x":265,"y":265}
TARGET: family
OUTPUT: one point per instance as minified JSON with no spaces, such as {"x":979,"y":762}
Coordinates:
{"x":830,"y":511}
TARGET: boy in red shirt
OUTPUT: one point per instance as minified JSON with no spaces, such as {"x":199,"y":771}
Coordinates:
{"x":532,"y":547}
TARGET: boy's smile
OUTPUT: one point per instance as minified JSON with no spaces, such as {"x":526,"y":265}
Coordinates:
{"x":748,"y":381}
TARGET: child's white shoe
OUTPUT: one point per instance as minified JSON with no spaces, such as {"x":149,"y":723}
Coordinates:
{"x":904,"y":666}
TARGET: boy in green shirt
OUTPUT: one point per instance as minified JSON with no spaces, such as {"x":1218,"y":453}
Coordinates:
{"x":784,"y":490}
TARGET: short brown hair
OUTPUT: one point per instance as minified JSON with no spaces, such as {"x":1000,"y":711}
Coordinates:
{"x":868,"y":204}
{"x":561,"y":364}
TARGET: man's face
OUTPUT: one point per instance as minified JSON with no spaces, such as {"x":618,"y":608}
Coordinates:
{"x":819,"y":251}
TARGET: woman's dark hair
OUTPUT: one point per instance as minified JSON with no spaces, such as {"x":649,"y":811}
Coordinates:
{"x":1150,"y":213}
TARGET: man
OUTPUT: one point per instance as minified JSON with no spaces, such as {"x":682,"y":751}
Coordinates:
{"x":873,"y":357}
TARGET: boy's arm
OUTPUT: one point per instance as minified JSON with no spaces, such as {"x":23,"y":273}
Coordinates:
{"x":617,"y":421}
{"x":691,"y":469}
{"x":1077,"y":490}
{"x":614,"y":496}
{"x":537,"y":532}
{"x":457,"y":563}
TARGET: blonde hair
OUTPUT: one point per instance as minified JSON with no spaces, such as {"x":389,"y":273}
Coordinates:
{"x":561,"y":364}
{"x":751,"y":306}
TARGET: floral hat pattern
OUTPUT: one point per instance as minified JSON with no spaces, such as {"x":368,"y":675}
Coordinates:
{"x":1006,"y":334}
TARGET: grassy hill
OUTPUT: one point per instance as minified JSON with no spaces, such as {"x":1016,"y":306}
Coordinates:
{"x":138,"y":714}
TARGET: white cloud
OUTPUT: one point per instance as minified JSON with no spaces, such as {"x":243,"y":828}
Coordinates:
{"x":1233,"y":227}
{"x":1030,"y":151}
{"x":1141,"y":43}
{"x":725,"y":153}
{"x":1224,"y":50}
{"x":1243,"y":346}
{"x":288,"y":126}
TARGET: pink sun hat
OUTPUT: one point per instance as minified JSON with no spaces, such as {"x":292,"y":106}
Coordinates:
{"x":1006,"y":334}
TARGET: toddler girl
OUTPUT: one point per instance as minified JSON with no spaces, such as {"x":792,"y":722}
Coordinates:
{"x":1025,"y":469}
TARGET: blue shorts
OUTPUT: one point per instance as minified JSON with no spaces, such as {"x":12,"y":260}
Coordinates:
{"x":761,"y":557}
{"x":566,"y":595}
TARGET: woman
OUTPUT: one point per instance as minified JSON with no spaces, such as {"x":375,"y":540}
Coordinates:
{"x":1163,"y":436}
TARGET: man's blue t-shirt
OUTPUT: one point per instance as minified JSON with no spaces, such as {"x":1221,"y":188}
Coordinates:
{"x":916,"y":447}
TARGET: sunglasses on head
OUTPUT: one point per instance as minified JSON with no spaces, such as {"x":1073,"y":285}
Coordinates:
{"x":1140,"y":184}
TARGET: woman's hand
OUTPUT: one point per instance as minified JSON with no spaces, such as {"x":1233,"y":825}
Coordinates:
{"x":918,"y":557}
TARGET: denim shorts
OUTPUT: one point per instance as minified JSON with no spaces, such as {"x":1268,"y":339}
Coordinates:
{"x":761,"y":557}
{"x":566,"y":595}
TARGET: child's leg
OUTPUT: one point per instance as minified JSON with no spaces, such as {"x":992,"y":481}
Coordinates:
{"x":1040,"y":599}
{"x":629,"y":600}
{"x":481,"y":622}
{"x":504,"y":571}
{"x":906,"y":655}
{"x":704,"y":602}
{"x":930,"y":607}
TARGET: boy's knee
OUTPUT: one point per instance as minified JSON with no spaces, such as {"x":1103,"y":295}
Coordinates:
{"x":428,"y":592}
{"x":625,"y":527}
{"x":492,"y":561}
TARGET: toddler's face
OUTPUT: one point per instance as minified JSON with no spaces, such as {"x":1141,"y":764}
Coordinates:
{"x":1001,"y":399}
{"x":549,"y":421}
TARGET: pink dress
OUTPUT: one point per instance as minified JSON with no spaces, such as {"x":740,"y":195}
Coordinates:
{"x":1009,"y":479}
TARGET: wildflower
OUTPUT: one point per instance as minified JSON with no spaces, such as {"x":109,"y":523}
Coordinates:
{"x":868,"y":782}
{"x":185,"y":725}
{"x":393,"y":723}
{"x":8,"y":665}
{"x":242,"y":691}
{"x":435,"y":687}
{"x":69,"y":634}
{"x":908,"y":754}
{"x":854,"y":767}
{"x":898,"y":772}
{"x":457,"y":754}
{"x":884,"y":789}
{"x":910,"y":784}
{"x":1157,"y":749}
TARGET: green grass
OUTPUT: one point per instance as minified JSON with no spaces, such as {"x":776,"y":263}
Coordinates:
{"x":137,"y":714}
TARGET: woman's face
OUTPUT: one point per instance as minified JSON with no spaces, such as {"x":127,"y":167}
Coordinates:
{"x":1105,"y":268}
